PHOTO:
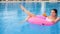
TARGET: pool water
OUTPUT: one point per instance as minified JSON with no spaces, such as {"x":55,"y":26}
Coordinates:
{"x":11,"y":17}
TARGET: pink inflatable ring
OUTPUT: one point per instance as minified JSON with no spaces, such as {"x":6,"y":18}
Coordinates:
{"x":40,"y":20}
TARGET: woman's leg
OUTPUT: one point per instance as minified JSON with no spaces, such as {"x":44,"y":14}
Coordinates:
{"x":26,"y":11}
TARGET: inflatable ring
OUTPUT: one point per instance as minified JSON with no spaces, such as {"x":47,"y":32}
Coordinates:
{"x":39,"y":20}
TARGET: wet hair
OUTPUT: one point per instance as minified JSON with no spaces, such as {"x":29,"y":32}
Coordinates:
{"x":55,"y":11}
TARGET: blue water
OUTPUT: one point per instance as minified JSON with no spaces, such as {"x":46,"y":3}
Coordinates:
{"x":11,"y":17}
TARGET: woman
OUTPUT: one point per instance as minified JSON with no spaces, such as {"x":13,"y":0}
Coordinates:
{"x":53,"y":17}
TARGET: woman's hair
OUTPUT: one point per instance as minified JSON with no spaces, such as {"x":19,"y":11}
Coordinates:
{"x":55,"y":11}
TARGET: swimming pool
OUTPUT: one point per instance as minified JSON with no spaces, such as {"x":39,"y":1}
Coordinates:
{"x":11,"y":16}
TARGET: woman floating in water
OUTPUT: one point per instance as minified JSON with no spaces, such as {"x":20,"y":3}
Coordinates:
{"x":41,"y":20}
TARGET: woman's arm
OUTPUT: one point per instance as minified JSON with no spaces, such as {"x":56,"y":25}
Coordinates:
{"x":26,"y":11}
{"x":57,"y":20}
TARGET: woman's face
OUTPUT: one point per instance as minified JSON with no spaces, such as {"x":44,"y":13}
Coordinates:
{"x":53,"y":13}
